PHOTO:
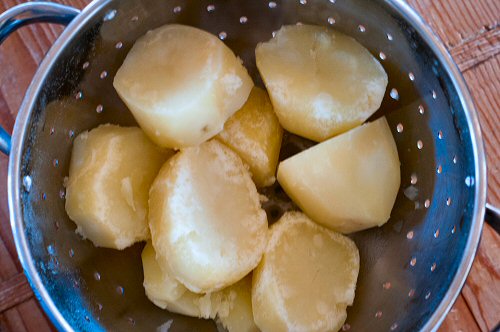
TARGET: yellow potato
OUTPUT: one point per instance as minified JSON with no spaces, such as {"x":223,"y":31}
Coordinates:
{"x":321,"y":82}
{"x":348,"y":183}
{"x":254,"y":133}
{"x":238,"y":315}
{"x":182,"y":84}
{"x":110,"y":173}
{"x":306,"y":278}
{"x":207,"y":225}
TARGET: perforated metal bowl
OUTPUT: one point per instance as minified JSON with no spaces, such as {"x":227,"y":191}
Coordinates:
{"x":412,"y":268}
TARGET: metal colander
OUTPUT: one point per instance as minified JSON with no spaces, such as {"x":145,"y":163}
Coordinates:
{"x":412,"y":268}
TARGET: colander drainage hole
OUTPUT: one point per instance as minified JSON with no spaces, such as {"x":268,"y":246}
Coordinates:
{"x":97,"y":276}
{"x":394,"y":326}
{"x":331,"y":20}
{"x":361,"y":28}
{"x":399,"y":128}
{"x":131,"y":321}
{"x":409,"y":235}
{"x":428,"y":295}
{"x":272,"y":4}
{"x":71,"y":253}
{"x":394,"y":94}
{"x":118,"y":45}
{"x":421,"y":109}
{"x":222,"y":35}
{"x":382,"y":56}
{"x":427,"y":203}
{"x":413,"y":178}
{"x":389,"y":37}
{"x":120,"y":290}
{"x":243,"y":20}
{"x":420,"y":144}
{"x":387,"y":285}
{"x":413,"y":261}
{"x":210,"y":8}
{"x":346,"y":327}
{"x":433,"y":267}
{"x":411,"y":76}
{"x":448,"y":201}
{"x":177,"y":9}
{"x":27,"y":183}
{"x":411,"y":293}
{"x":378,"y":314}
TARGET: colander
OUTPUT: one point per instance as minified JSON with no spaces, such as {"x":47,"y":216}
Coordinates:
{"x":412,"y":268}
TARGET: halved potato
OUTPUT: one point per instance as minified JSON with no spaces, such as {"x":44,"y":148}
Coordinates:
{"x":110,"y":173}
{"x":321,"y":82}
{"x":207,"y":225}
{"x":348,"y":183}
{"x":182,"y":84}
{"x":306,"y":278}
{"x":255,"y":133}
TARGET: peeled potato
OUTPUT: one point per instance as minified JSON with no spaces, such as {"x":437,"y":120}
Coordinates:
{"x":182,"y":84}
{"x":110,"y":173}
{"x":348,"y":183}
{"x":254,"y":133}
{"x":321,"y":82}
{"x":207,"y":225}
{"x":306,"y":278}
{"x":238,"y":316}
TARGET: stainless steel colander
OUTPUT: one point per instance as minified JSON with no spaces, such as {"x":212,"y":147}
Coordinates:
{"x":412,"y":268}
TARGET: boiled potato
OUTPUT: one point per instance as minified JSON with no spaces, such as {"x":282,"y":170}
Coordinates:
{"x":207,"y":225}
{"x":254,"y":133}
{"x":348,"y":183}
{"x":306,"y":278}
{"x":110,"y":173}
{"x":321,"y":82}
{"x":238,"y":316}
{"x":182,"y":84}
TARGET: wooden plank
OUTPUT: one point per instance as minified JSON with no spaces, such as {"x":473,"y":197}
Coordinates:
{"x":477,"y":49}
{"x":459,"y":319}
{"x":14,"y":291}
{"x":483,"y":285}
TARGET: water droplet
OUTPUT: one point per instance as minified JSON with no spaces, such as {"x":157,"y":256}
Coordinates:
{"x":427,"y":295}
{"x":411,"y":293}
{"x":439,"y":169}
{"x":79,"y":95}
{"x":210,"y":8}
{"x":177,"y":9}
{"x":71,"y":253}
{"x":413,"y":178}
{"x":420,"y":144}
{"x":448,"y":201}
{"x":433,"y":267}
{"x":386,"y":285}
{"x":27,"y":182}
{"x":394,"y":326}
{"x":382,"y":56}
{"x":361,"y":28}
{"x":110,"y":15}
{"x":272,"y":4}
{"x":469,"y":181}
{"x":99,"y":108}
{"x":394,"y":94}
{"x":421,"y":109}
{"x":243,"y":19}
{"x":223,"y":35}
{"x":389,"y":37}
{"x":411,"y":76}
{"x":399,"y":128}
{"x":120,"y":290}
{"x":97,"y":276}
{"x":331,"y":20}
{"x":434,"y":94}
{"x":85,"y":65}
{"x":427,"y":203}
{"x":119,"y":45}
{"x":378,"y":314}
{"x":413,"y":261}
{"x":409,"y":235}
{"x":436,"y":233}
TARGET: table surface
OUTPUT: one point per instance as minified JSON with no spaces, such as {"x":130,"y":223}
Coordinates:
{"x":471,"y":32}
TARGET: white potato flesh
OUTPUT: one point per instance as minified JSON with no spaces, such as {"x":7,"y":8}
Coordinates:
{"x":321,"y":82}
{"x":348,"y":183}
{"x":237,"y":316}
{"x":110,"y":173}
{"x":306,"y":279}
{"x":181,"y":84}
{"x":207,"y":225}
{"x":255,"y":134}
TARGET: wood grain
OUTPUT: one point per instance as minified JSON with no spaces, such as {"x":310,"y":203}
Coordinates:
{"x":470,"y":30}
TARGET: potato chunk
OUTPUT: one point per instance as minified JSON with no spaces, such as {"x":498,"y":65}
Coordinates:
{"x":238,"y":316}
{"x":182,"y":84}
{"x":206,"y":222}
{"x":306,"y":278}
{"x":348,"y":183}
{"x":254,"y":133}
{"x":110,"y":173}
{"x":321,"y":82}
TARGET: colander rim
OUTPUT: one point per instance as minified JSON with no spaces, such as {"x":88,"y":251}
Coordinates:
{"x":411,"y":17}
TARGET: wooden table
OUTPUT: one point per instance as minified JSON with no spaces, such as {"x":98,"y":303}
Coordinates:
{"x":470,"y":30}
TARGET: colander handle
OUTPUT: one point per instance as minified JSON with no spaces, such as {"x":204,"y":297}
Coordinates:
{"x":492,"y":217}
{"x":28,"y":13}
